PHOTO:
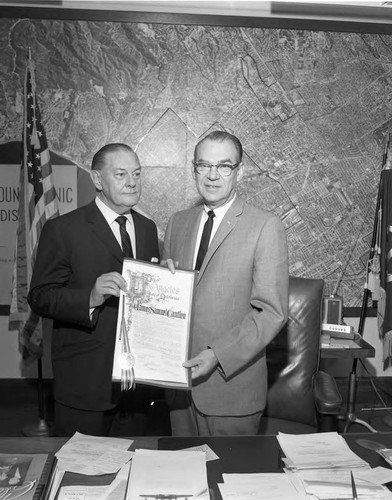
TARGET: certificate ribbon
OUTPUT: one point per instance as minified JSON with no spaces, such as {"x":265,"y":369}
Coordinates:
{"x":126,"y":360}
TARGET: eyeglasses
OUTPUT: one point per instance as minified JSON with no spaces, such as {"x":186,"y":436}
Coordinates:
{"x":225,"y":169}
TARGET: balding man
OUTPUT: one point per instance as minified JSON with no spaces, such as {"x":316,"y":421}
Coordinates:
{"x":77,"y":281}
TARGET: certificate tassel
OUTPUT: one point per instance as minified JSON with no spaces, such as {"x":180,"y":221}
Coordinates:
{"x":127,"y":361}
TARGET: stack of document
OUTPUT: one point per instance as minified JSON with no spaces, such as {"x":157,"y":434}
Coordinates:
{"x":168,"y":474}
{"x":93,"y":455}
{"x":315,"y":451}
{"x":323,"y":463}
{"x":91,"y":467}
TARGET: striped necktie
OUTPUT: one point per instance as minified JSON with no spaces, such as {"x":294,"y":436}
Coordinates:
{"x":125,"y":239}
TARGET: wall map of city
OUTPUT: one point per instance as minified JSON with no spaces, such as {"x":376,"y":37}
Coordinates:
{"x":312,"y":109}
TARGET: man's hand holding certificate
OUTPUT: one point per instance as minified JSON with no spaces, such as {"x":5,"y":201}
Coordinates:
{"x":153,"y":326}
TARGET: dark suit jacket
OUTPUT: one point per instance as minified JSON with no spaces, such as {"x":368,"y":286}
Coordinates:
{"x":73,"y":251}
{"x":240,"y":304}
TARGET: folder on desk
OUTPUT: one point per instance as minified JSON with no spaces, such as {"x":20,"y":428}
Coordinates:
{"x":88,"y":461}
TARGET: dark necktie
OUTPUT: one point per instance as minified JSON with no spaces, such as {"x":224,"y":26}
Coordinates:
{"x":205,"y":240}
{"x":125,"y":239}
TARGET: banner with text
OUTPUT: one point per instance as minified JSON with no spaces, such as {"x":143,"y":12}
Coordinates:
{"x":65,"y":180}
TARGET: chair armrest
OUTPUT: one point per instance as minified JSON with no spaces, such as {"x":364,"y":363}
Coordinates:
{"x":326,"y":394}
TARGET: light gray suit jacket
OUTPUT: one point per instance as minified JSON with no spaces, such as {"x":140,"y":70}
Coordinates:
{"x":240,"y":302}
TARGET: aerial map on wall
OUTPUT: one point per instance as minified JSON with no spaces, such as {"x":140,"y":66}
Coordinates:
{"x":311,"y":108}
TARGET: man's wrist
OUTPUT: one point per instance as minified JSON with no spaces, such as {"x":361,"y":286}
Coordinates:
{"x":215,"y":359}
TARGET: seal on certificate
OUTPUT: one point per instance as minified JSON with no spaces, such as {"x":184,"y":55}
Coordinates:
{"x":126,"y":361}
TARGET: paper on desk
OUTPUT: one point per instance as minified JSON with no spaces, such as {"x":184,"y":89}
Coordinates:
{"x":82,"y":442}
{"x":263,"y":486}
{"x":365,"y":490}
{"x":93,"y":455}
{"x":82,"y":493}
{"x":181,"y":473}
{"x":325,"y":449}
{"x":109,"y":462}
{"x":118,"y":487}
{"x":114,"y":491}
{"x":336,"y":483}
{"x":210,"y":454}
{"x":56,"y":479}
{"x":386,"y":454}
{"x":378,"y":475}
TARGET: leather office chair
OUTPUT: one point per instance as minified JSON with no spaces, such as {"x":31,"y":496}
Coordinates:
{"x":300,"y":399}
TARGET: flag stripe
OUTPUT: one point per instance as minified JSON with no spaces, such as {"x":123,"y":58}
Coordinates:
{"x":37,"y":203}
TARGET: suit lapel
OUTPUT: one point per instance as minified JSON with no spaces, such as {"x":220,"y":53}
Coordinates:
{"x":102,"y":231}
{"x":227,"y":225}
{"x":140,"y":236}
{"x":190,"y":236}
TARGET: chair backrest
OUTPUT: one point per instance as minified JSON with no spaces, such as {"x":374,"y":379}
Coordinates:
{"x":293,"y":356}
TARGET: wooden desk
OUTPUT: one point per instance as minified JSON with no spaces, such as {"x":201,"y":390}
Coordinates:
{"x":240,"y":454}
{"x":364,"y":350}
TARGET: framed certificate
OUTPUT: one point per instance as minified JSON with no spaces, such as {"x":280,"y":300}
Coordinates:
{"x":153,"y":326}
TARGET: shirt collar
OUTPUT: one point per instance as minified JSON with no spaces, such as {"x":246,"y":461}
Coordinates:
{"x":220,"y":212}
{"x":109,"y":214}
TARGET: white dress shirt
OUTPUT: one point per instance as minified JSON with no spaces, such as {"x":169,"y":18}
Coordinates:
{"x":111,"y":216}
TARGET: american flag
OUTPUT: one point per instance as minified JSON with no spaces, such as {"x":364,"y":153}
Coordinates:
{"x":37,"y":203}
{"x":384,"y":310}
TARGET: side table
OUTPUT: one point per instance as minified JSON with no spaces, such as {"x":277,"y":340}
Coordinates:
{"x":362,"y":350}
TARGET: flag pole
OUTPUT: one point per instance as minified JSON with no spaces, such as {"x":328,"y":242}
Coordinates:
{"x":350,"y":416}
{"x":39,"y":427}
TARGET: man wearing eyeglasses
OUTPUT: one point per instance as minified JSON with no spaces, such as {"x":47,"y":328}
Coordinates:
{"x":241,"y":299}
